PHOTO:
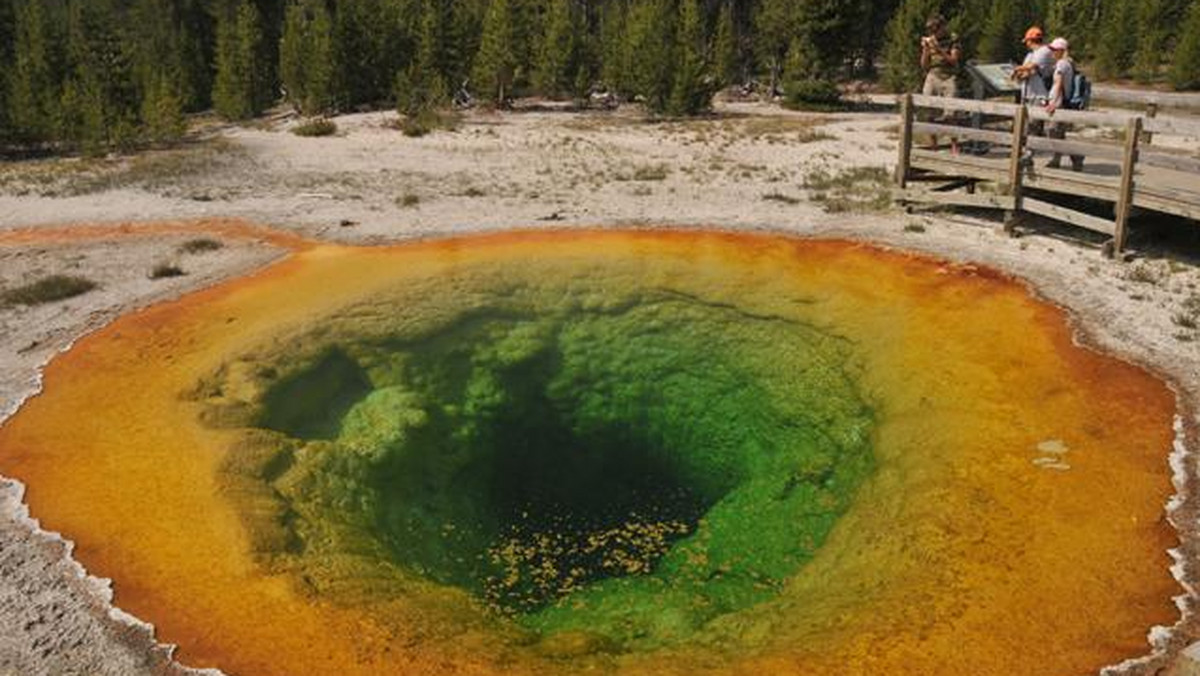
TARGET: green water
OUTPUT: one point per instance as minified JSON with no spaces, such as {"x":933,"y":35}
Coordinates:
{"x":630,"y":469}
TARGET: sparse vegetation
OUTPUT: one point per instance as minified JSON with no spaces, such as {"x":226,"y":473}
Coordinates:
{"x":408,"y":200}
{"x":152,"y":171}
{"x":165,"y":270}
{"x":656,"y":172}
{"x":856,"y":189}
{"x":47,"y":290}
{"x":200,"y":245}
{"x":428,"y":121}
{"x":914,"y":227}
{"x":1189,"y":316}
{"x":780,"y":197}
{"x":1186,"y":320}
{"x":1144,"y":273}
{"x":1192,"y":304}
{"x":321,"y":126}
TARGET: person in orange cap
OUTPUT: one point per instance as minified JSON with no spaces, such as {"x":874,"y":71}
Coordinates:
{"x":1035,"y":76}
{"x":1037,"y":72}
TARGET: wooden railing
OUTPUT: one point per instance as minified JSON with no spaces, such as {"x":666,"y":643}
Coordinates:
{"x":1138,"y":174}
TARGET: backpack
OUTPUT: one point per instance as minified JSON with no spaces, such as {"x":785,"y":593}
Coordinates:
{"x":1081,"y":92}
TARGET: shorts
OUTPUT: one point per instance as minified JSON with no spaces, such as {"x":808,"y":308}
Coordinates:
{"x":940,"y":85}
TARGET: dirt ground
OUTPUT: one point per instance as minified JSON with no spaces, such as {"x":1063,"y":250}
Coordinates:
{"x":752,"y":167}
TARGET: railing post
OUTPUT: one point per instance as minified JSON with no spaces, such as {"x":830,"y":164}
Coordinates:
{"x":1151,"y":113}
{"x":906,"y":140}
{"x":1133,"y":133}
{"x":1016,"y":166}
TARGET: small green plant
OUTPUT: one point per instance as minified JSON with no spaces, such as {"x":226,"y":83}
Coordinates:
{"x":321,"y":126}
{"x":656,"y":172}
{"x":1143,"y":273}
{"x":164,"y":270}
{"x":48,"y":290}
{"x":429,"y":120}
{"x":201,"y":245}
{"x":914,"y":227}
{"x":1192,"y":304}
{"x":408,"y":200}
{"x":780,"y":197}
{"x":855,"y":189}
{"x":474,"y":192}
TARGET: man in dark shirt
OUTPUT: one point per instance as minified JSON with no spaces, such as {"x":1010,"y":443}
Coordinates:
{"x":941,"y":59}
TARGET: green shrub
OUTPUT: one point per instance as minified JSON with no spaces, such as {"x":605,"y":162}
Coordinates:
{"x":321,"y":126}
{"x":427,"y":121}
{"x":201,"y":245}
{"x":48,"y":290}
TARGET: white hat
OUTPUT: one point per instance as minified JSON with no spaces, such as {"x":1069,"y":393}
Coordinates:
{"x":1060,"y":44}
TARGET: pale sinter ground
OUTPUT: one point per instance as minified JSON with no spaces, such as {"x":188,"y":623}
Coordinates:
{"x":753,"y":167}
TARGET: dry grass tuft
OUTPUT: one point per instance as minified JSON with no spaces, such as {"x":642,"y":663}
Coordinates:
{"x":165,"y":270}
{"x":200,"y":245}
{"x":856,"y":189}
{"x":321,"y":126}
{"x":48,"y":290}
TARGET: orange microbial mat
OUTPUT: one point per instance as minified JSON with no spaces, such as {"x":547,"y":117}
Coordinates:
{"x":977,"y":493}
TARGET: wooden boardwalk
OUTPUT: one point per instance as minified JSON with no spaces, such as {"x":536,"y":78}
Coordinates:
{"x":1123,"y":169}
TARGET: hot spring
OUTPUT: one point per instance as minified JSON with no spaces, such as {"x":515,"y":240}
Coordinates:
{"x":627,"y":452}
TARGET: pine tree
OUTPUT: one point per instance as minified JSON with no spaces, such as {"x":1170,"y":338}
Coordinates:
{"x":554,"y":74}
{"x":101,"y":109}
{"x":34,"y":93}
{"x":1152,"y":34}
{"x":806,"y":83}
{"x":372,"y":41}
{"x":1076,"y":19}
{"x":1118,"y":40}
{"x":306,"y":59}
{"x":1005,"y":27}
{"x":1185,"y":67}
{"x":775,"y":22}
{"x":496,"y":62}
{"x":464,"y":38}
{"x":903,"y":52}
{"x":242,"y":89}
{"x":650,"y":30}
{"x":693,"y":86}
{"x":869,"y":33}
{"x":7,"y":38}
{"x":436,"y":51}
{"x":528,"y":30}
{"x":614,"y":48}
{"x":162,"y":113}
{"x":726,"y":55}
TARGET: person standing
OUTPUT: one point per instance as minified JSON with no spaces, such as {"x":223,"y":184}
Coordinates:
{"x":1060,"y":95}
{"x":941,"y":59}
{"x":1035,"y":75}
{"x":1037,"y":72}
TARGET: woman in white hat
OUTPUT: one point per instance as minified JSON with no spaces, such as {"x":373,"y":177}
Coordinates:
{"x":1060,"y":94}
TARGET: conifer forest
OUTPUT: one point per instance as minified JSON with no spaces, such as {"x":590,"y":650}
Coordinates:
{"x":95,"y":75}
